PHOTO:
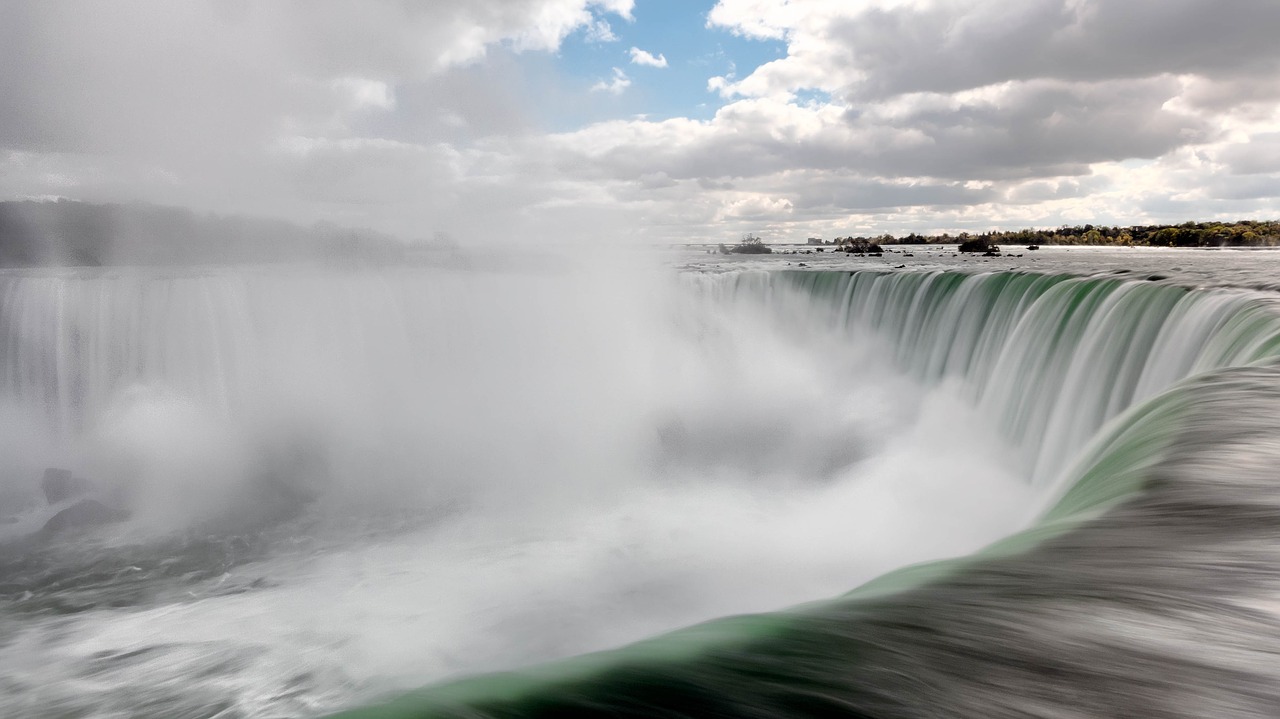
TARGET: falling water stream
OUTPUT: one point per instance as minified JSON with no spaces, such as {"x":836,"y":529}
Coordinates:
{"x":344,"y":484}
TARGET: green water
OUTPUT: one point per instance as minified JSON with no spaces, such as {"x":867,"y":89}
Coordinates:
{"x":1076,"y":371}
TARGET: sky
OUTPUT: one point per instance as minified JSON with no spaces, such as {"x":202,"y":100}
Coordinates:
{"x":623,"y":121}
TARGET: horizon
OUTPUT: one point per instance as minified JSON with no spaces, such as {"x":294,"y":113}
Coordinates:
{"x":664,"y":121}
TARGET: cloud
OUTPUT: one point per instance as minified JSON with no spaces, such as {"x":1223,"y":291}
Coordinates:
{"x":601,"y":31}
{"x":888,"y":115}
{"x":641,"y":57}
{"x":1041,"y":129}
{"x":1259,"y":154}
{"x":616,"y":86}
{"x":189,"y":103}
{"x":362,"y":94}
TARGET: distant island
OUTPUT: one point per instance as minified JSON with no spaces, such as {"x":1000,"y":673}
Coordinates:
{"x":750,"y":245}
{"x":81,"y":234}
{"x":1245,"y":233}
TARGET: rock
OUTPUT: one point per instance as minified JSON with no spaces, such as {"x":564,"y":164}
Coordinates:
{"x":60,"y":485}
{"x":852,"y":246}
{"x":1033,"y":247}
{"x":85,"y":513}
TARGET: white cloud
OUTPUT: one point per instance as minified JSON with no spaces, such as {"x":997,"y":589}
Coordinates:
{"x":412,"y":117}
{"x":601,"y":31}
{"x":755,"y":206}
{"x":641,"y":57}
{"x":362,"y":94}
{"x":616,"y":86}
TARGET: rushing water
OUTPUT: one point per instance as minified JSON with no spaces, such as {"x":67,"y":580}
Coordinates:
{"x":344,"y":484}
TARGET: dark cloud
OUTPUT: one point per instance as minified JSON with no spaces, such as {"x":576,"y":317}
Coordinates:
{"x":841,"y":194}
{"x":1028,"y":130}
{"x":1261,"y":154}
{"x":1250,"y":187}
{"x":413,"y":117}
{"x":1046,"y":128}
{"x":1040,"y":191}
{"x":948,"y":47}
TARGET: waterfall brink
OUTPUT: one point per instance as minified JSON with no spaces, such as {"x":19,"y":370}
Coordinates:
{"x":1051,"y":357}
{"x":1147,"y":588}
{"x":389,"y":387}
{"x":1010,"y":493}
{"x":1163,"y":606}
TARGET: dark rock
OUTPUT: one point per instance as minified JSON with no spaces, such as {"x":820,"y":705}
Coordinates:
{"x":85,"y":513}
{"x":60,"y":485}
{"x":1157,"y":278}
{"x":858,"y":246}
{"x":1033,"y":247}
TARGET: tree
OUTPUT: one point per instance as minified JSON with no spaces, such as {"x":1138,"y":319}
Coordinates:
{"x":751,"y":245}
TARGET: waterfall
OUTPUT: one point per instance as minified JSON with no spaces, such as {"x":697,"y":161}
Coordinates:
{"x":1051,"y":358}
{"x":589,"y":458}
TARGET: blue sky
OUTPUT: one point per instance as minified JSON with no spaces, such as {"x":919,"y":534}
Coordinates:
{"x":676,"y":30}
{"x":495,"y":119}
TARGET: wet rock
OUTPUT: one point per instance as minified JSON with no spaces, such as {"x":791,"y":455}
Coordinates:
{"x":85,"y":513}
{"x":861,"y":246}
{"x":60,"y":485}
{"x":975,"y":245}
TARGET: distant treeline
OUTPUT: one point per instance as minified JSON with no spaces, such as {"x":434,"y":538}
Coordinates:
{"x":68,"y":233}
{"x":1247,"y":233}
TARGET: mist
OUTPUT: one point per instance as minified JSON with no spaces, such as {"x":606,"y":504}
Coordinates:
{"x":473,"y":469}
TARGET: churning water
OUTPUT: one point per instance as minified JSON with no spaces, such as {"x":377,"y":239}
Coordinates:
{"x":336,"y":485}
